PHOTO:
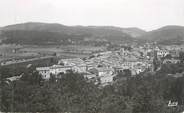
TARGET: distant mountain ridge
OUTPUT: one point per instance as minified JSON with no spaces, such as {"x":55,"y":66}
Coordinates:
{"x":167,"y":34}
{"x":53,"y":32}
{"x":58,"y":32}
{"x":74,"y":29}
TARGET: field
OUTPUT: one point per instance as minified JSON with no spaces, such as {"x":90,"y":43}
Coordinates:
{"x":25,"y":52}
{"x":8,"y":52}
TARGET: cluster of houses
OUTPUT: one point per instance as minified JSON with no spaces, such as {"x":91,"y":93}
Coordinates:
{"x":169,"y":55}
{"x":101,"y":66}
{"x":104,"y":66}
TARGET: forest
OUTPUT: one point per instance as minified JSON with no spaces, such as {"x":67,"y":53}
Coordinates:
{"x":144,"y":93}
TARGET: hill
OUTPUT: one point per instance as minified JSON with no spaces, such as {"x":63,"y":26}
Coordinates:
{"x":134,"y":32}
{"x":53,"y":33}
{"x":35,"y":33}
{"x":95,"y":30}
{"x":166,"y":35}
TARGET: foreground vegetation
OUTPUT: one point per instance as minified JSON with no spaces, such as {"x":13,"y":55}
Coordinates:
{"x":145,"y":93}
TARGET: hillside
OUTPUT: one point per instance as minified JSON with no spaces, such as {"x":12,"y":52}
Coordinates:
{"x":134,"y":32}
{"x":36,"y":32}
{"x":166,"y":35}
{"x":44,"y":33}
{"x":95,"y":30}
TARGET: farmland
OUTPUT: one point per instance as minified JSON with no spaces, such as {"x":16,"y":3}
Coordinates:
{"x":11,"y":53}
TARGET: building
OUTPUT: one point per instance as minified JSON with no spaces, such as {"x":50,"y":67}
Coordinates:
{"x":172,"y":104}
{"x":118,"y":70}
{"x":89,"y":76}
{"x":139,"y":70}
{"x":162,"y":53}
{"x":54,"y":70}
{"x":44,"y":71}
{"x":104,"y":71}
{"x":174,"y":53}
{"x":171,"y":61}
{"x":80,"y":68}
{"x":71,"y":62}
{"x":105,"y":80}
{"x":14,"y":78}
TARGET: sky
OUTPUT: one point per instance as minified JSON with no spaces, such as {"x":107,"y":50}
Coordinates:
{"x":144,"y":14}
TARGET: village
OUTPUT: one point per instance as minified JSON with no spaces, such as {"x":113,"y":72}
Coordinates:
{"x":102,"y":67}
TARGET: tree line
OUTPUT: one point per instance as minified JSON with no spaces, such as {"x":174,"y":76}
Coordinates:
{"x":144,"y":93}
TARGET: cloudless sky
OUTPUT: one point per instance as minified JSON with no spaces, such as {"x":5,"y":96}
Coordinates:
{"x":145,"y":14}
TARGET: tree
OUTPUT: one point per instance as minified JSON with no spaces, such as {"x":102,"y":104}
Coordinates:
{"x":122,"y":74}
{"x":72,"y":93}
{"x":181,"y":56}
{"x":32,"y":78}
{"x":127,"y":72}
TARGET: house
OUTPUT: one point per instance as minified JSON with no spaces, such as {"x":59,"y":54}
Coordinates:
{"x":118,"y":70}
{"x":133,"y":72}
{"x":89,"y":76}
{"x":55,"y":70}
{"x":174,"y":53}
{"x":157,"y":48}
{"x":139,"y":70}
{"x":14,"y":78}
{"x":71,"y":62}
{"x":80,"y":68}
{"x":128,"y":64}
{"x":177,"y":75}
{"x":124,"y":52}
{"x":77,"y":64}
{"x":171,"y":61}
{"x":105,"y":53}
{"x":44,"y":71}
{"x":105,"y":75}
{"x":105,"y":80}
{"x":104,"y":71}
{"x":172,"y":104}
{"x":101,"y":71}
{"x":162,"y":53}
{"x":100,"y":75}
{"x":90,"y":66}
